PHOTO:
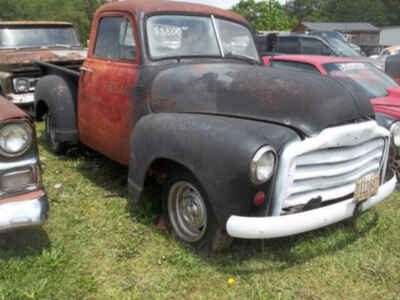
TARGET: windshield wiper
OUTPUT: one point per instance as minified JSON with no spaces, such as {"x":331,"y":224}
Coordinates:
{"x":244,"y":57}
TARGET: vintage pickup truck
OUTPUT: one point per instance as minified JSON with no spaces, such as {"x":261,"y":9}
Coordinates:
{"x":177,"y":92}
{"x":22,"y":43}
{"x":23,"y":200}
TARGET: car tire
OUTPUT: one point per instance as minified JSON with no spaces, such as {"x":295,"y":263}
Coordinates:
{"x":189,"y":214}
{"x":57,"y":148}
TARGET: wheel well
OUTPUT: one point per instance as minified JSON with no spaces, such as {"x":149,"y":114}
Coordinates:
{"x":158,"y":174}
{"x":41,"y":109}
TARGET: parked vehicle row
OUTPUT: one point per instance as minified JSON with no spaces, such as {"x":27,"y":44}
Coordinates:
{"x":179,"y":93}
{"x":316,"y":44}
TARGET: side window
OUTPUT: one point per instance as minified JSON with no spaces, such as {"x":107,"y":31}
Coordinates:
{"x":312,"y":46}
{"x":115,"y":39}
{"x":292,"y":65}
{"x":287,"y":45}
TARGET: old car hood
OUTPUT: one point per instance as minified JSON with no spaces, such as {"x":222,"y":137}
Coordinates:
{"x":10,"y":111}
{"x":300,"y":100}
{"x":17,"y":58}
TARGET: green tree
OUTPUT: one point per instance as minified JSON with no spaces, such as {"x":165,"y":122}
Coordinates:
{"x":304,"y":10}
{"x":372,"y":11}
{"x":264,"y":15}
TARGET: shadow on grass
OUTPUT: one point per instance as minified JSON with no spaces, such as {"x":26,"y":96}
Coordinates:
{"x":23,"y":242}
{"x":283,"y":253}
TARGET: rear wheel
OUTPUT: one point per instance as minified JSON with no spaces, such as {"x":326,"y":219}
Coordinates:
{"x":55,"y":147}
{"x":190,"y":216}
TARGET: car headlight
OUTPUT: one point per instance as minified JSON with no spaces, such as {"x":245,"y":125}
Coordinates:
{"x":395,"y":130}
{"x":15,"y":139}
{"x":262,"y":165}
{"x":22,"y":85}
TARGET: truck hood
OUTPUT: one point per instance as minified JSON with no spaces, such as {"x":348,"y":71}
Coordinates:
{"x":10,"y":60}
{"x":301,"y":100}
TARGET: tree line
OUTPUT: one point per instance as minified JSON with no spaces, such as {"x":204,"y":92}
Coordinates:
{"x":271,"y":15}
{"x":263,"y":15}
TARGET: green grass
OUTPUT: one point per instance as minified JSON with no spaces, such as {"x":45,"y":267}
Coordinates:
{"x":95,"y":246}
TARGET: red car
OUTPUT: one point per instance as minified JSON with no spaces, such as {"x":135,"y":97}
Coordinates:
{"x":383,"y":91}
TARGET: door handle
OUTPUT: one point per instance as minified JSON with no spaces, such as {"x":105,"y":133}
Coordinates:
{"x":84,"y":69}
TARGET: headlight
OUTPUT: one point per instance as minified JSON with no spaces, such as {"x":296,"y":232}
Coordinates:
{"x":23,"y":85}
{"x":395,"y":130}
{"x":15,"y":139}
{"x":262,"y":165}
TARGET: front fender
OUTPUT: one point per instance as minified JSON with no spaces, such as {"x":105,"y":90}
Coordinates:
{"x":217,"y":150}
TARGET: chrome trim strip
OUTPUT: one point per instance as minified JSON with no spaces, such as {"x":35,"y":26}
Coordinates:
{"x":218,"y":36}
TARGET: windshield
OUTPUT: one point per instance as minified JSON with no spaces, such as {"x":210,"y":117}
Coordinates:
{"x":373,"y":81}
{"x":172,"y":36}
{"x":342,"y":48}
{"x":37,"y":37}
{"x":330,"y":34}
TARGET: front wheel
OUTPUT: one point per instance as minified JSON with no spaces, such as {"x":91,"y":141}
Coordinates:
{"x":57,"y":148}
{"x":190,"y":216}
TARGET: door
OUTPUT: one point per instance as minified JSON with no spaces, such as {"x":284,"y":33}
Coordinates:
{"x":106,"y":91}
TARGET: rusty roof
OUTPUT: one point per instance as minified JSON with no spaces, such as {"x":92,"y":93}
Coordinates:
{"x":34,"y":23}
{"x":160,"y":6}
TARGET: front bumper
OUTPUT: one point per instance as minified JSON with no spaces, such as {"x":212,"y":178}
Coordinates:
{"x":22,"y":99}
{"x":280,"y":226}
{"x":26,"y":210}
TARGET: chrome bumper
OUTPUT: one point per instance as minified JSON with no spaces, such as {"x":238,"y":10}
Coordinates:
{"x":23,"y":211}
{"x":280,"y":226}
{"x":20,"y":99}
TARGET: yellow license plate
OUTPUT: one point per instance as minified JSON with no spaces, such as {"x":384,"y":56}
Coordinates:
{"x":366,"y":188}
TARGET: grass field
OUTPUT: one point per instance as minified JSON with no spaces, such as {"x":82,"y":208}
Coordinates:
{"x":95,"y":246}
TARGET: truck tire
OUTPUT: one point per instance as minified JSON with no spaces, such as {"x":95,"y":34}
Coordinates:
{"x":57,"y":148}
{"x":189,"y":215}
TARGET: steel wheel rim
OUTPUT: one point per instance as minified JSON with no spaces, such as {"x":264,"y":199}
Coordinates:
{"x":187,"y":211}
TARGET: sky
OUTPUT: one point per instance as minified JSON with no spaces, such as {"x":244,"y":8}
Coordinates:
{"x":220,"y":3}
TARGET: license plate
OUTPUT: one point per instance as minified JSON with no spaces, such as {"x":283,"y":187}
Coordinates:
{"x":366,"y":188}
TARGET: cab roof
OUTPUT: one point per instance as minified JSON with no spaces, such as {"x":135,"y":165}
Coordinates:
{"x":159,"y":6}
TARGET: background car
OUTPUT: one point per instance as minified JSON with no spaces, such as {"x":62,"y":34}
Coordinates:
{"x":302,"y":44}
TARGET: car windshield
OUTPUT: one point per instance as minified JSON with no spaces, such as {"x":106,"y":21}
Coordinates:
{"x":173,"y":36}
{"x":373,"y":81}
{"x":38,"y":37}
{"x":342,"y":48}
{"x":330,"y":34}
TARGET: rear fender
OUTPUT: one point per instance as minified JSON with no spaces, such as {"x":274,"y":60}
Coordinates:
{"x":58,"y":95}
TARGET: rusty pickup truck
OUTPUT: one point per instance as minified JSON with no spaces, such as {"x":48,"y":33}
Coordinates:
{"x":23,"y":43}
{"x":23,"y":200}
{"x":177,"y":92}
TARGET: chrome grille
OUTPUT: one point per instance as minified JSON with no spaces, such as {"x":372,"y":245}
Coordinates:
{"x":332,"y":173}
{"x":329,"y":164}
